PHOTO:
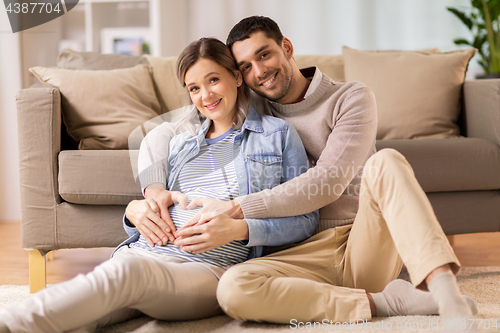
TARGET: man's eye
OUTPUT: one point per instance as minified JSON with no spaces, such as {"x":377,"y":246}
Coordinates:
{"x":265,"y":54}
{"x":245,"y":68}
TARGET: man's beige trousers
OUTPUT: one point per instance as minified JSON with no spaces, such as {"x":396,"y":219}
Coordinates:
{"x":328,"y":275}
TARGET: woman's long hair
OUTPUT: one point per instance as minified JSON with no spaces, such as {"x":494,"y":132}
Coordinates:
{"x":214,"y":49}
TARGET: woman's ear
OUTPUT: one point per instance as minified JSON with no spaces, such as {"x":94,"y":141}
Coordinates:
{"x":239,"y":78}
{"x":287,"y":46}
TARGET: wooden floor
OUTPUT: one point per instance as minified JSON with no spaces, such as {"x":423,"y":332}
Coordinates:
{"x":481,"y":249}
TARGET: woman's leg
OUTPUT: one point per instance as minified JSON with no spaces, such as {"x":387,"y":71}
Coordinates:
{"x":181,"y":290}
{"x":132,"y":279}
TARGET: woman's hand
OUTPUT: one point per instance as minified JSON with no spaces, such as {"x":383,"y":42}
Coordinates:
{"x":165,"y":199}
{"x":153,"y":222}
{"x":210,"y":235}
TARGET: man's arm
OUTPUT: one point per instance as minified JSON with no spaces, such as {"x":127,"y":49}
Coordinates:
{"x":348,"y":146}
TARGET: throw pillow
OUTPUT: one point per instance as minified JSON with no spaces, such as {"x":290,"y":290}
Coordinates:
{"x":418,"y":93}
{"x":171,"y":93}
{"x":70,"y":59}
{"x":331,"y":65}
{"x":100,"y":108}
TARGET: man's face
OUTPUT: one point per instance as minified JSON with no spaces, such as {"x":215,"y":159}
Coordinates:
{"x":265,"y":65}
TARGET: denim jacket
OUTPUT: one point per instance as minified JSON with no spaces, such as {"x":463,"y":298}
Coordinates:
{"x":268,"y":151}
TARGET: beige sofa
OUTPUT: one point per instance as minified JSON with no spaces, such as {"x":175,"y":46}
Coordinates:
{"x":74,"y":198}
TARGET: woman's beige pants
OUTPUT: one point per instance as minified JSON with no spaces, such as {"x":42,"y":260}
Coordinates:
{"x":134,"y":281}
{"x":328,"y":275}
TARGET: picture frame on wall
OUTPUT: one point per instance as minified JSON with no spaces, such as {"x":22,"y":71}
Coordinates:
{"x":129,"y":41}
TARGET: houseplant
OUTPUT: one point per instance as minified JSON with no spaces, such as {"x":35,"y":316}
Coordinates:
{"x":484,"y":23}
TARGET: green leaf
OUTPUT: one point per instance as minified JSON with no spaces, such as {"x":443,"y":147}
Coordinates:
{"x":462,"y":16}
{"x":494,"y":9}
{"x":485,"y":67}
{"x":479,"y":42}
{"x":462,"y":42}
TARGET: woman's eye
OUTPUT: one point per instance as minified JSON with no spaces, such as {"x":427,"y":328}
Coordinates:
{"x":213,"y":80}
{"x":193,"y":89}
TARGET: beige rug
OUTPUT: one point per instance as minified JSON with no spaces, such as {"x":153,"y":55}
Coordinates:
{"x":480,"y":283}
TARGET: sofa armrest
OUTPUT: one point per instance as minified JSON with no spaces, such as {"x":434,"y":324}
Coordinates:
{"x":39,"y":130}
{"x":482,"y":109}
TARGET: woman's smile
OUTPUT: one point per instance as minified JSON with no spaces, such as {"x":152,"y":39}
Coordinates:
{"x":213,"y":105}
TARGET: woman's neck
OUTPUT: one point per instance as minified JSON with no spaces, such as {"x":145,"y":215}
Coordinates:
{"x":217,"y":129}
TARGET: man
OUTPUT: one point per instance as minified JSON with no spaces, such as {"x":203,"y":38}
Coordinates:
{"x":340,"y":273}
{"x":344,"y":272}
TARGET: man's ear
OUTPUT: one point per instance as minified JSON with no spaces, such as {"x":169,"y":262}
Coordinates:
{"x":238,"y":77}
{"x":287,"y":46}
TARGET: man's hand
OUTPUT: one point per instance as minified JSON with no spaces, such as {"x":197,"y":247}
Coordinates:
{"x":148,"y":217}
{"x":210,"y":235}
{"x":212,"y":208}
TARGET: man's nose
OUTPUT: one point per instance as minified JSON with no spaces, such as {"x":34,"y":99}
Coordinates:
{"x":260,"y":71}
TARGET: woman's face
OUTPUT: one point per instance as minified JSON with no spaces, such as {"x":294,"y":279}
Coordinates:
{"x":213,"y":89}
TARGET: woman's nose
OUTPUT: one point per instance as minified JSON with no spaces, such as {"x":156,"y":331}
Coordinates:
{"x":207,"y":95}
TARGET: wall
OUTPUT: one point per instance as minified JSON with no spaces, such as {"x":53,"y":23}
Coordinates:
{"x":323,"y":26}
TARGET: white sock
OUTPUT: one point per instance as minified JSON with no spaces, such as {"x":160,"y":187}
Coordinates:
{"x":401,"y":298}
{"x":444,"y":289}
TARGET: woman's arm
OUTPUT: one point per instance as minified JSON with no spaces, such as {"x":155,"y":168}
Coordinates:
{"x":205,"y":234}
{"x":151,"y":217}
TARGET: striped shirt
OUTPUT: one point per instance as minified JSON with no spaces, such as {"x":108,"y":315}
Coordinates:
{"x":210,"y":173}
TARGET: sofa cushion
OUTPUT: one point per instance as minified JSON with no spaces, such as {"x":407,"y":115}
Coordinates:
{"x":418,"y":93}
{"x":331,"y":65}
{"x":447,"y":165}
{"x":98,"y":177}
{"x":70,"y":59}
{"x":171,"y":94}
{"x":100,"y":108}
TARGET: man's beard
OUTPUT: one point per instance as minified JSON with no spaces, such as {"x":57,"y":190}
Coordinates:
{"x":285,"y":87}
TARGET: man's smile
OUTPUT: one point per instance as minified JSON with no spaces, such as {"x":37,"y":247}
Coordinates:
{"x":269,"y":82}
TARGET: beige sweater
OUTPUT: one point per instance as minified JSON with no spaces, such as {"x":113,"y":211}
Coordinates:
{"x":337,"y":124}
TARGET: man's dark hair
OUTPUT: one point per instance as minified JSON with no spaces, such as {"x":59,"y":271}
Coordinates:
{"x":252,"y":24}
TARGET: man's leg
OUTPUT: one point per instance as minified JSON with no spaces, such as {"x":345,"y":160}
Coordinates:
{"x":394,"y":219}
{"x":300,"y":283}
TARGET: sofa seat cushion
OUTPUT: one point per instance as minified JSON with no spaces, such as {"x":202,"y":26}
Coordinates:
{"x":447,"y":165}
{"x":98,"y":177}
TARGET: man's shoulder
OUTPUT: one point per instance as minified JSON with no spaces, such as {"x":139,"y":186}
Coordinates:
{"x":339,"y":91}
{"x":344,"y":87}
{"x":271,"y":123}
{"x":267,"y":122}
{"x":260,"y":104}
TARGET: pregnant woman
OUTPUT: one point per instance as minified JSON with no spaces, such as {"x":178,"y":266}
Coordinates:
{"x":233,"y":151}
